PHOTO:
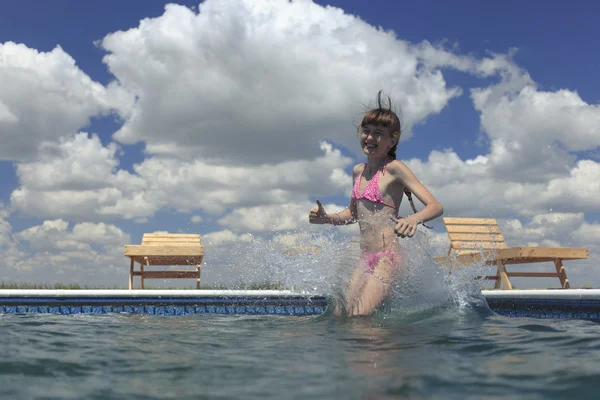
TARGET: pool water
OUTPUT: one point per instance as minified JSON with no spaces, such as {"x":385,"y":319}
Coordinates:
{"x":447,"y":353}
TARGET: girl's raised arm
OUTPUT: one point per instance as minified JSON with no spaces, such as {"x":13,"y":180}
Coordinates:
{"x":318,"y":215}
{"x":433,"y":208}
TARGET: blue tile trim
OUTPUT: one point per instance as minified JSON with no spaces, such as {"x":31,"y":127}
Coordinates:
{"x":170,"y":306}
{"x":546,"y":308}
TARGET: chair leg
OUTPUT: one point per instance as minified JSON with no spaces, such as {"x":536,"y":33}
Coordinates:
{"x":504,"y":281}
{"x":141,"y":276}
{"x":564,"y":281}
{"x":498,"y":282}
{"x":198,"y":279}
{"x":131,"y":265}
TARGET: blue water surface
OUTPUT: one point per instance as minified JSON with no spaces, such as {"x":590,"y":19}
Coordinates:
{"x":452,"y":353}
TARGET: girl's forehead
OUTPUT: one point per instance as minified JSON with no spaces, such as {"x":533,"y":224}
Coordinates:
{"x":375,"y":126}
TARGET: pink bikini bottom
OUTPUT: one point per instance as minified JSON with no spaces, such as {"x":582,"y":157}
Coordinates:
{"x":371,"y":258}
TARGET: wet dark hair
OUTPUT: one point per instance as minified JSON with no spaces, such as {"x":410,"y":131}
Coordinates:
{"x":384,"y":116}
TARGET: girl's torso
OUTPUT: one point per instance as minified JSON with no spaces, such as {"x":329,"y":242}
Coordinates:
{"x":377,"y":198}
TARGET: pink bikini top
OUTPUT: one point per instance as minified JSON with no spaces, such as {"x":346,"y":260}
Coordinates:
{"x":371,"y":191}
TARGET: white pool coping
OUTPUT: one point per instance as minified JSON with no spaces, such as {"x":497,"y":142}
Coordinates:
{"x":149,"y":293}
{"x":558,"y":294}
{"x":589,"y":294}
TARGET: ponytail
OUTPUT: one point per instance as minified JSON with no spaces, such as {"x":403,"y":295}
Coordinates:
{"x":392,"y":152}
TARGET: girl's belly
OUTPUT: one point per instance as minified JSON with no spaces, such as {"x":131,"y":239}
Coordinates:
{"x":376,"y":226}
{"x":376,"y":237}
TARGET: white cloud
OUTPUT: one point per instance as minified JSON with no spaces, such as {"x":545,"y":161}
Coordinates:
{"x":45,"y":96}
{"x":78,"y":178}
{"x":57,"y":236}
{"x":281,"y":217}
{"x":550,"y":227}
{"x":9,"y":248}
{"x":588,"y":234}
{"x":220,"y":237}
{"x":273,"y":218}
{"x":76,"y":162}
{"x":535,"y":132}
{"x":473,"y":188}
{"x":579,"y":190}
{"x":100,"y":234}
{"x":244,"y":121}
{"x":56,"y":251}
{"x":532,"y":166}
{"x":269,"y":84}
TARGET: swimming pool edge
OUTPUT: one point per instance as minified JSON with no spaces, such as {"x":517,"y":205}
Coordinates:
{"x":544,"y":304}
{"x":583,"y":304}
{"x":161,"y":302}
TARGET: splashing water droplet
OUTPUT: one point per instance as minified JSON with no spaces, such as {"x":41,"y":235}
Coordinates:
{"x":322,"y":261}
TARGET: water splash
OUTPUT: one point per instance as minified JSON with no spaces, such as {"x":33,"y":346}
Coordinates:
{"x":322,"y":261}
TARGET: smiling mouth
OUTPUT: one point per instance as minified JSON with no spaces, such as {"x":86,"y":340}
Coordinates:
{"x":370,"y":146}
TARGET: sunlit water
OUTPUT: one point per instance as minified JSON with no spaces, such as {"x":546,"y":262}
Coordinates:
{"x":435,"y":339}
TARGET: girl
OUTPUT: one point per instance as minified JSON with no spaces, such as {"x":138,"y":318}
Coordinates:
{"x":379,"y":185}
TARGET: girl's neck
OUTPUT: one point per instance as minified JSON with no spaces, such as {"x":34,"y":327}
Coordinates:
{"x":375,"y":164}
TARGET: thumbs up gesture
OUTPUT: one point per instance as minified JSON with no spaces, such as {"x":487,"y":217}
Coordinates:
{"x":317,"y":215}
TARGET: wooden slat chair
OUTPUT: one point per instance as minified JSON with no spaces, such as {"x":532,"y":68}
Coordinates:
{"x":165,"y":249}
{"x":479,"y":240}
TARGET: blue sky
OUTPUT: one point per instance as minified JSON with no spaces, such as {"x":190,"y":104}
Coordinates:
{"x":554,"y":42}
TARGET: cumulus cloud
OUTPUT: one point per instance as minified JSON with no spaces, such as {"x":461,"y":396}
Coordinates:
{"x":588,"y":234}
{"x":269,"y":84}
{"x":58,"y":235}
{"x":45,"y":96}
{"x":175,"y":101}
{"x":280,"y":217}
{"x":536,"y":132}
{"x":543,"y":229}
{"x":532,"y":134}
{"x":224,"y":236}
{"x":472,"y":188}
{"x":57,"y":251}
{"x":77,"y":177}
{"x":196,"y":219}
{"x":243,"y":108}
{"x":71,"y":163}
{"x":9,"y":248}
{"x":533,"y":164}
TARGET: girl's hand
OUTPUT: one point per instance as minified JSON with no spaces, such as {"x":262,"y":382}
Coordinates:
{"x":318,"y":215}
{"x":405,"y":227}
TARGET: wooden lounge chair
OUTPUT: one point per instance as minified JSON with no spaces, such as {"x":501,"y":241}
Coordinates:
{"x":165,"y":249}
{"x":479,"y":240}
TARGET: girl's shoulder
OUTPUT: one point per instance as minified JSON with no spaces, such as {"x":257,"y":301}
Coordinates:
{"x":358,"y":168}
{"x":396,"y":167}
{"x":399,"y":170}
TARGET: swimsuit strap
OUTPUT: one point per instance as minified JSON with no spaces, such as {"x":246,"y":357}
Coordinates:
{"x":371,"y":191}
{"x":379,"y":195}
{"x":356,"y":188}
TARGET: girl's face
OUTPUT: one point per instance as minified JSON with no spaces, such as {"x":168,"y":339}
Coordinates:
{"x":376,"y":140}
